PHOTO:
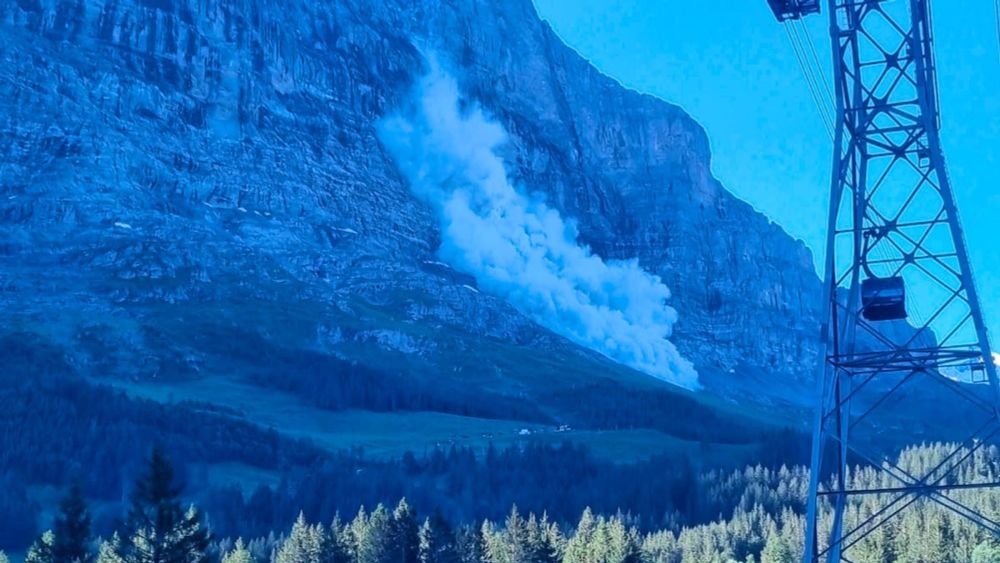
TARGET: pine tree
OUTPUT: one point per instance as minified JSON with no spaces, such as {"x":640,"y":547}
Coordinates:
{"x":600,"y":543}
{"x":623,"y":543}
{"x":72,"y":529}
{"x":404,"y":540}
{"x":427,"y":546}
{"x":578,"y":547}
{"x":110,"y":551}
{"x":41,"y":550}
{"x":533,"y":531}
{"x":776,"y":550}
{"x":3,"y":557}
{"x":661,"y":547}
{"x":543,"y":540}
{"x":160,"y":531}
{"x":374,"y":538}
{"x":338,"y":547}
{"x":239,"y":554}
{"x":469,"y":545}
{"x":306,"y":544}
{"x":552,"y":542}
{"x":986,"y":552}
{"x":492,"y":542}
{"x":511,"y":545}
{"x":437,"y":543}
{"x":301,"y":546}
{"x":516,"y":536}
{"x":355,"y":531}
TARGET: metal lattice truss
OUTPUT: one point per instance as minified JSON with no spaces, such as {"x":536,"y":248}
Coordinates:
{"x":892,"y":214}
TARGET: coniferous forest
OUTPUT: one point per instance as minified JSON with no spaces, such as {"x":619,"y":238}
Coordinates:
{"x":759,"y":520}
{"x":103,"y":434}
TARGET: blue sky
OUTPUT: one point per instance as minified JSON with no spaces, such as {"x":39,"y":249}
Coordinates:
{"x":729,"y":64}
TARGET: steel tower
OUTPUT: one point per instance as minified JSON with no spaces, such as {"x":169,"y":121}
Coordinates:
{"x":895,"y":250}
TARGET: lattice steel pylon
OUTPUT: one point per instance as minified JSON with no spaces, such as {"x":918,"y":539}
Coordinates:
{"x":893,"y":223}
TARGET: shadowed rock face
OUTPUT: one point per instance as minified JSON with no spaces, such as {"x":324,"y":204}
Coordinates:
{"x":176,"y":175}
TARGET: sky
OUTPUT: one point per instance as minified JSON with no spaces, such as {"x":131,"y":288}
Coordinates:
{"x":730,"y":65}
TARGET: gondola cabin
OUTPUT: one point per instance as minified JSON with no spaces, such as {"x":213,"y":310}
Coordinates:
{"x":883,"y":299}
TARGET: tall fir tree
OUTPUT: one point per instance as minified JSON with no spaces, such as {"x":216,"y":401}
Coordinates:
{"x":510,"y":545}
{"x":239,"y":554}
{"x":578,"y":547}
{"x":322,"y":541}
{"x":355,"y":531}
{"x":553,"y":542}
{"x":373,"y":537}
{"x":986,"y":552}
{"x":437,"y":542}
{"x":622,"y":543}
{"x":72,"y":529}
{"x":338,"y":546}
{"x":110,"y":551}
{"x":543,"y":540}
{"x":535,"y":539}
{"x":428,"y":545}
{"x":301,"y":546}
{"x":160,"y":530}
{"x":492,"y":542}
{"x":41,"y":550}
{"x":469,"y":545}
{"x":776,"y":550}
{"x":404,"y":541}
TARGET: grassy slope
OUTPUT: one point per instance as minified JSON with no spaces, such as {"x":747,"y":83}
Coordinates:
{"x":564,"y":383}
{"x":392,"y":433}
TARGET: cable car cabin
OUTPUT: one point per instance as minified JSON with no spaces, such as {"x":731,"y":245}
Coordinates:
{"x":883,"y":299}
{"x":793,"y":9}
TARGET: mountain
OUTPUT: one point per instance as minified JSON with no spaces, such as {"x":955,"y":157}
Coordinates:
{"x":197,"y":210}
{"x":189,"y":185}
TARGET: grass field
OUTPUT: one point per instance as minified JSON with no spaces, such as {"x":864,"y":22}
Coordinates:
{"x":389,"y":434}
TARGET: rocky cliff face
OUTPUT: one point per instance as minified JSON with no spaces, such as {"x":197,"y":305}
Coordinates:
{"x":181,"y":177}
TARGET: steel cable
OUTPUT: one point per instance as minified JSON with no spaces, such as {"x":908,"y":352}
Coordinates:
{"x":810,"y":78}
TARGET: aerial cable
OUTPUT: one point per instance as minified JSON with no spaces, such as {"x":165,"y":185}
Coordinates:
{"x":799,"y":31}
{"x":819,"y":66}
{"x":810,"y":84}
{"x":812,"y":76}
{"x":810,"y":81}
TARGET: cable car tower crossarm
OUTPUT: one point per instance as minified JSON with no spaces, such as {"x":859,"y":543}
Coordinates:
{"x":901,"y":304}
